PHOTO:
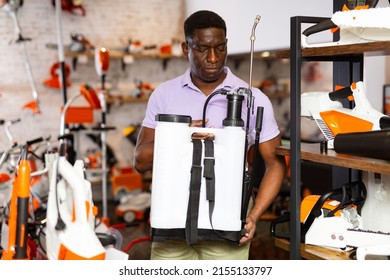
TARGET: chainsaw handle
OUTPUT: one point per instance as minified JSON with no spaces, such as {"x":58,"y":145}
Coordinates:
{"x":352,"y":4}
{"x":372,"y":3}
{"x":282,"y":219}
{"x":340,"y":94}
{"x":316,"y":210}
{"x":321,"y":26}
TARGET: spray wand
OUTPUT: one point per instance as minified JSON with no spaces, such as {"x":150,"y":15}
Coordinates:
{"x":248,"y":178}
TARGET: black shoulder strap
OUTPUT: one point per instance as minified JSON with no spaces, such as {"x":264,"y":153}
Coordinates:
{"x":191,"y":230}
{"x":209,"y":175}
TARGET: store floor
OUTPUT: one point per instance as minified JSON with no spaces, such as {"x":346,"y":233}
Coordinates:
{"x":262,"y":246}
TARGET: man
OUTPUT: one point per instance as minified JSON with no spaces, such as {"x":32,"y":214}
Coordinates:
{"x":206,"y":50}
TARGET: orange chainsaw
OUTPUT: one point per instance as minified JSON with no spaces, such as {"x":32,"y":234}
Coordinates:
{"x":326,"y":218}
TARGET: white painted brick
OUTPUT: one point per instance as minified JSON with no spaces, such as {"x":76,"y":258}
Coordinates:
{"x":108,"y":23}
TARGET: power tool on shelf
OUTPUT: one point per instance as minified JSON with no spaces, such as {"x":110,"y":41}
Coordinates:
{"x":332,"y":118}
{"x":325,"y":219}
{"x":357,"y":22}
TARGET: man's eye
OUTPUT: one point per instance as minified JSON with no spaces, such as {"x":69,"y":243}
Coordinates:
{"x":221,"y":48}
{"x":202,"y":49}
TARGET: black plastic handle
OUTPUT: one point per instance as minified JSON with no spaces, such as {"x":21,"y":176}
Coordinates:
{"x":15,"y":121}
{"x":280,"y":220}
{"x":259,"y":118}
{"x":323,"y":25}
{"x":340,"y":94}
{"x":34,"y":141}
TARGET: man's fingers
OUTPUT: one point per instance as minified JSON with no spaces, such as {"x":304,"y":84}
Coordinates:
{"x":197,"y":123}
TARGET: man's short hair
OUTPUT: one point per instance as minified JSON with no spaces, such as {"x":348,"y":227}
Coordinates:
{"x":203,"y":19}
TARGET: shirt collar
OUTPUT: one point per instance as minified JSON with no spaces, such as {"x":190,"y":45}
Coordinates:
{"x":228,"y":82}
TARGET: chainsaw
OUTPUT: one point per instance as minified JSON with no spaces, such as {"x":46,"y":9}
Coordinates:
{"x":357,"y":22}
{"x":340,"y":224}
{"x":326,"y":219}
{"x":332,"y":118}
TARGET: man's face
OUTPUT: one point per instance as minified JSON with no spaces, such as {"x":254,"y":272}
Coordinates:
{"x":207,"y":53}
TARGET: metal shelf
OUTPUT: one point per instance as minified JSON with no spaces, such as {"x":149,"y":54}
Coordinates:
{"x":311,"y":152}
{"x":353,"y":53}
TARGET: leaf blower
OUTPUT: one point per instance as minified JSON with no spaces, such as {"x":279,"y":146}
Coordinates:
{"x":332,"y":118}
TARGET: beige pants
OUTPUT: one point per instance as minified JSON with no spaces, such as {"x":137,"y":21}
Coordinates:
{"x":203,"y":250}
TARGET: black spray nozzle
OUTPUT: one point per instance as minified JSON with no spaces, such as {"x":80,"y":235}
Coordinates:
{"x":234,"y":110}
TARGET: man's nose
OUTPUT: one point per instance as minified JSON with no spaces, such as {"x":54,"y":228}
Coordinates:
{"x":212,"y":55}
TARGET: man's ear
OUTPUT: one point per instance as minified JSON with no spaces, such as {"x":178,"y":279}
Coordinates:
{"x":184,"y":48}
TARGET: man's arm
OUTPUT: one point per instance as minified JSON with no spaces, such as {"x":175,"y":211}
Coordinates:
{"x":275,"y":170}
{"x":143,"y":154}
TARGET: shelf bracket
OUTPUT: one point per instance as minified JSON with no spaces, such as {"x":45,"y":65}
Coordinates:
{"x":74,"y":63}
{"x":123,"y":64}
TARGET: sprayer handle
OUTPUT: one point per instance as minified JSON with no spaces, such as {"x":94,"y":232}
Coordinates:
{"x":259,"y":118}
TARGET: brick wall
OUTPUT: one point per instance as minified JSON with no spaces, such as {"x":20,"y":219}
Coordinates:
{"x":109,"y":24}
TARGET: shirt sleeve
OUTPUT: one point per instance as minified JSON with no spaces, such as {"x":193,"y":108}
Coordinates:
{"x":153,"y":108}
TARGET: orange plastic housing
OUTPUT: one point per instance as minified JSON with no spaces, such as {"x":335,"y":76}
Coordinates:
{"x":75,"y":115}
{"x":127,"y":182}
{"x":339,"y":122}
{"x":309,"y":201}
{"x":387,"y":108}
{"x":66,"y":254}
{"x":91,"y":96}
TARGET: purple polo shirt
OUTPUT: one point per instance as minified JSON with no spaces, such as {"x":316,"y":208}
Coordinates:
{"x":180,"y":96}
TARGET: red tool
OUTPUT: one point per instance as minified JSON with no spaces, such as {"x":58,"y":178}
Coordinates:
{"x":71,"y":6}
{"x":54,"y":81}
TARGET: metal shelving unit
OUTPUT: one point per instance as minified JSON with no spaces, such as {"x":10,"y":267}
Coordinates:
{"x":353,"y":56}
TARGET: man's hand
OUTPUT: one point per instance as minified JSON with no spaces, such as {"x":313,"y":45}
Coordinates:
{"x":197,"y":123}
{"x":250,"y":228}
